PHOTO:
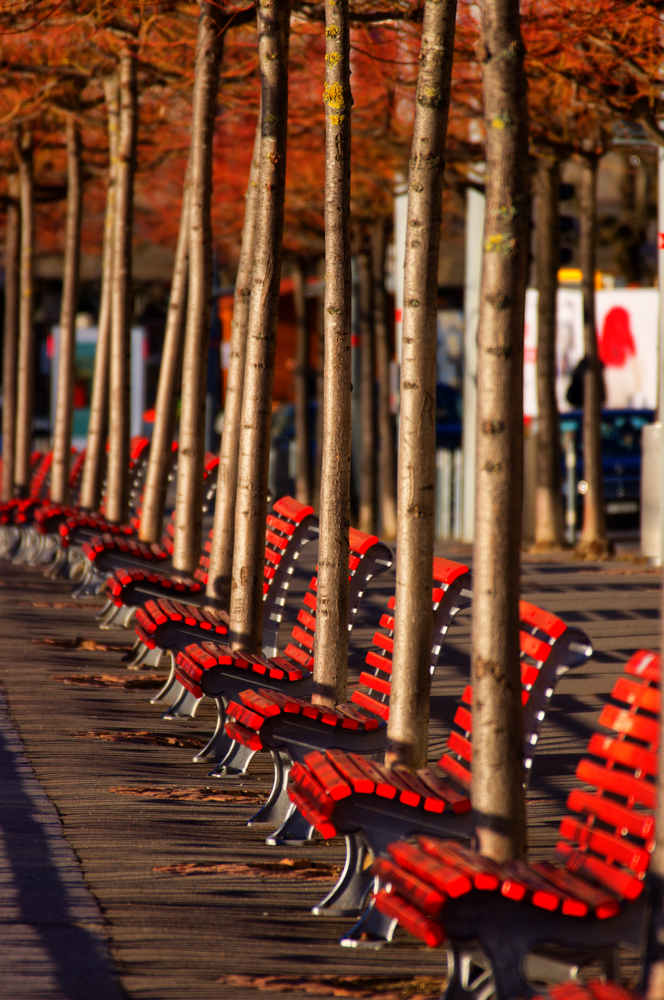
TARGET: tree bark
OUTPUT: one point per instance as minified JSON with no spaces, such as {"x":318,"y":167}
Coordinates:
{"x":220,"y":569}
{"x":117,"y":491}
{"x":407,"y":728}
{"x":497,"y":783}
{"x":191,"y":454}
{"x":387,"y":475}
{"x":170,"y":374}
{"x":549,"y":530}
{"x":367,"y":396}
{"x":302,"y":475}
{"x":64,"y":413}
{"x":26,"y":337}
{"x":10,"y":346}
{"x":95,"y":453}
{"x":593,"y":543}
{"x":246,"y":607}
{"x":320,"y":390}
{"x":331,"y":643}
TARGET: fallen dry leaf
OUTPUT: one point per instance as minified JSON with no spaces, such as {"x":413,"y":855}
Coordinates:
{"x":291,"y":869}
{"x":142,"y":736}
{"x":419,"y":988}
{"x":49,"y":604}
{"x":79,"y":643}
{"x":190,"y":794}
{"x":113,"y":681}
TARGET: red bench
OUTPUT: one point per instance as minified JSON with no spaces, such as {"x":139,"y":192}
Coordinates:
{"x":290,"y":733}
{"x":433,"y":800}
{"x":199,"y":674}
{"x":107,"y":552}
{"x":501,"y":921}
{"x":65,"y":527}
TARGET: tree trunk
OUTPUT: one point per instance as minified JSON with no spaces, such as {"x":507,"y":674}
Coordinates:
{"x":170,"y":374}
{"x":10,"y":347}
{"x":497,"y":785}
{"x":64,"y":413}
{"x":653,"y":969}
{"x":320,"y":389}
{"x":95,"y":453}
{"x":220,"y":569}
{"x":117,"y":491}
{"x":302,"y":476}
{"x":367,"y":397}
{"x":246,"y":607}
{"x":593,"y":543}
{"x":331,"y":644}
{"x":549,"y":532}
{"x":26,"y":337}
{"x":387,"y":475}
{"x":407,"y":728}
{"x":191,"y":454}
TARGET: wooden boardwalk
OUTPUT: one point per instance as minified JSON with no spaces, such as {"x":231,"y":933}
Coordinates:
{"x":195,"y":905}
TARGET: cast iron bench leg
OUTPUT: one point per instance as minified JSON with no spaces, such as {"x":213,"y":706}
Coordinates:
{"x":470,"y":976}
{"x":235,"y":764}
{"x":348,"y":897}
{"x":183,"y":707}
{"x":295,"y":830}
{"x":372,"y":930}
{"x":220,"y":744}
{"x":171,"y":684}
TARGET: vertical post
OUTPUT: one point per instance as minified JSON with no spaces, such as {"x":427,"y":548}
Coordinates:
{"x":331,"y":643}
{"x":64,"y":412}
{"x":475,"y":209}
{"x":497,"y":772}
{"x":407,"y":728}
{"x":170,"y":372}
{"x":189,"y":498}
{"x":10,"y":347}
{"x":387,"y":475}
{"x":302,"y":487}
{"x":117,"y":492}
{"x":367,"y":396}
{"x":26,"y":342}
{"x":246,"y":607}
{"x":320,"y":386}
{"x":660,"y":289}
{"x":220,"y":569}
{"x":95,"y":452}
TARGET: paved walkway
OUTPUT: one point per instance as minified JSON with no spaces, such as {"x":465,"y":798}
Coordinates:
{"x":194,"y":904}
{"x":53,"y":941}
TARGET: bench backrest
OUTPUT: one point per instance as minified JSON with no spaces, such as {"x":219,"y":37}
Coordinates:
{"x":211,"y":462}
{"x":611,"y":832}
{"x":367,"y":558}
{"x":41,"y":477}
{"x":548,"y":649}
{"x":450,"y":594}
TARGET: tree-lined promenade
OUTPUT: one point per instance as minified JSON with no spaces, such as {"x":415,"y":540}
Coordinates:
{"x":275,"y":135}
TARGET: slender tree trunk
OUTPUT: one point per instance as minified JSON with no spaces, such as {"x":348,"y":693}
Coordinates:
{"x":220,"y":569}
{"x":302,"y":476}
{"x":26,"y":341}
{"x":95,"y":453}
{"x":64,"y":413}
{"x":367,"y":396}
{"x":497,"y":785}
{"x":10,"y":347}
{"x":331,"y":644}
{"x":548,"y":499}
{"x":320,"y":390}
{"x":170,"y":374}
{"x":191,"y":455}
{"x":117,"y":491}
{"x":653,"y":971}
{"x":407,"y":731}
{"x":593,"y":543}
{"x":387,"y":475}
{"x":246,"y":607}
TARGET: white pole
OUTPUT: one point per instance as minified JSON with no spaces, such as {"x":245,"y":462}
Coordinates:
{"x":474,"y":252}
